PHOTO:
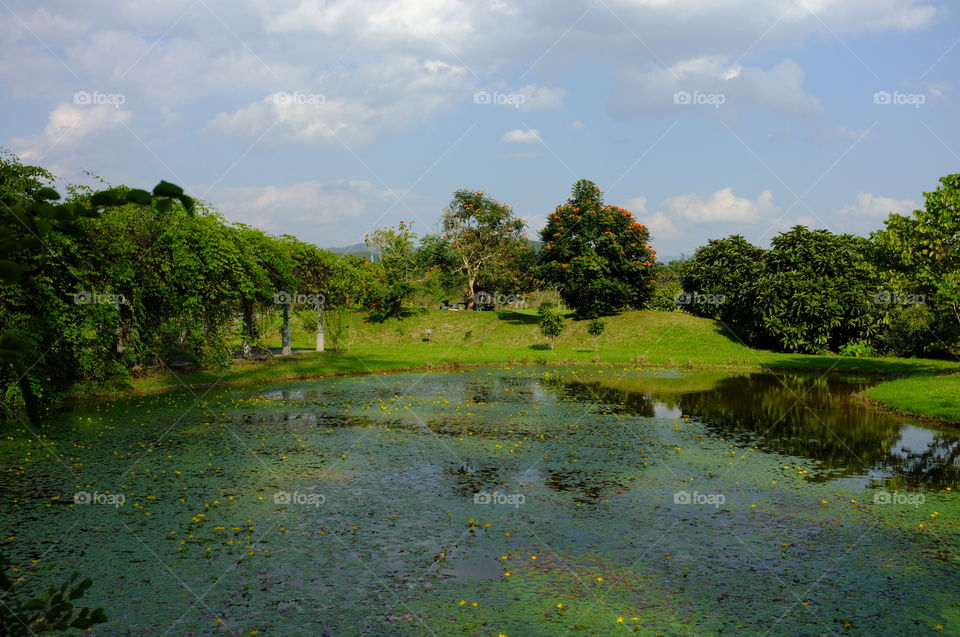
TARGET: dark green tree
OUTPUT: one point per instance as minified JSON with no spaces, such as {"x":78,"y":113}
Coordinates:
{"x":598,"y":257}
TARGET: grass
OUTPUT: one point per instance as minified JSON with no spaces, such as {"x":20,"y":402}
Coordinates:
{"x":656,"y":339}
{"x":935,"y":397}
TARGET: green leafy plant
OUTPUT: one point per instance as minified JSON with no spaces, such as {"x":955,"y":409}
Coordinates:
{"x":595,"y":329}
{"x":54,"y":611}
{"x":550,"y":322}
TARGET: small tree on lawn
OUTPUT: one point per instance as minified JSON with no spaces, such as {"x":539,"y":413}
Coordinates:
{"x":595,"y":328}
{"x":550,"y":322}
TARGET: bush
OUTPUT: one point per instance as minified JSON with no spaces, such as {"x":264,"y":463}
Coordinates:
{"x":913,"y":332}
{"x":665,"y":298}
{"x":858,"y":349}
{"x":550,"y":322}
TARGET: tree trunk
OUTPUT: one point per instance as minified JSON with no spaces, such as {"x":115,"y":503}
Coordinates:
{"x":286,"y":350}
{"x":249,"y":329}
{"x":320,"y":343}
{"x":471,"y":301}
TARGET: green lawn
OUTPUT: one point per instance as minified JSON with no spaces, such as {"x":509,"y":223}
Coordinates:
{"x":930,"y":396}
{"x":648,"y":338}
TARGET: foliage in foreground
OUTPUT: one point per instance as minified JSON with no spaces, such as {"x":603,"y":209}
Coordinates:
{"x":54,"y":611}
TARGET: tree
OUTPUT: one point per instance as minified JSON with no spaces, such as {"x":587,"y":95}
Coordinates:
{"x":816,"y":291}
{"x":921,"y":257}
{"x":598,"y":256}
{"x":397,"y":265}
{"x":550,"y":322}
{"x":39,"y":235}
{"x":485,"y":236}
{"x":595,"y":328}
{"x":717,"y":280}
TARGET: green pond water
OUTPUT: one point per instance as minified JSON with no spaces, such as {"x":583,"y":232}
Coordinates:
{"x":513,"y":501}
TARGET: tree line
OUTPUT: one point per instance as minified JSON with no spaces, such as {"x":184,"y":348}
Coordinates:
{"x":99,"y":285}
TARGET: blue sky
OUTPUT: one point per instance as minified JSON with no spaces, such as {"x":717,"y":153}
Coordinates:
{"x":326,"y":119}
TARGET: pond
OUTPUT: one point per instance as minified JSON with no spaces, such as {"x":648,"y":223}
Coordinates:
{"x":509,"y":501}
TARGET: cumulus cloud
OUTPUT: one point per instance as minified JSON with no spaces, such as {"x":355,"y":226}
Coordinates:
{"x":869,"y":205}
{"x":519,"y":136}
{"x":316,"y":211}
{"x":396,"y":94}
{"x":721,"y":206}
{"x":75,"y":137}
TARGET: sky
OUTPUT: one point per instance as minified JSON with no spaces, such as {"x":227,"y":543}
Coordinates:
{"x":327,"y":119}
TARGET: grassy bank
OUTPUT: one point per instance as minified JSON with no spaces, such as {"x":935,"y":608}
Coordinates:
{"x":935,"y":397}
{"x":449,"y":340}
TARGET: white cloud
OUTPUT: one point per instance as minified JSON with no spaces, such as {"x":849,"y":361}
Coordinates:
{"x":540,"y":97}
{"x":721,"y":206}
{"x":577,"y":125}
{"x":870,"y":205}
{"x":74,"y":138}
{"x":660,"y":225}
{"x":369,"y":103}
{"x":705,"y":85}
{"x":518,"y":136}
{"x":316,"y":211}
{"x":637,"y":205}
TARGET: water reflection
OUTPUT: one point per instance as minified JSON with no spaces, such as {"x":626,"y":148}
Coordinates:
{"x":798,"y":415}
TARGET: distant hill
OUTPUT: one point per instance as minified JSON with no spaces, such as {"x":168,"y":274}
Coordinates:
{"x":357,"y":249}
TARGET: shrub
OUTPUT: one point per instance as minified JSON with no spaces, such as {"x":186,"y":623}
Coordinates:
{"x":858,"y":349}
{"x":550,"y":322}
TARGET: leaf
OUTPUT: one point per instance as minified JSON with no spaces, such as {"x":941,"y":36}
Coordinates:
{"x":141,"y":197}
{"x":47,"y":193}
{"x":166,"y":189}
{"x":106,"y":198}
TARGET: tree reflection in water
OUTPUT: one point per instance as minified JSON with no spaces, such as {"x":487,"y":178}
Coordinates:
{"x":812,"y":417}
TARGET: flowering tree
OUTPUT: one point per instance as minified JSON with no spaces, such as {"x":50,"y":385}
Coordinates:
{"x":598,"y":256}
{"x":484,"y":234}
